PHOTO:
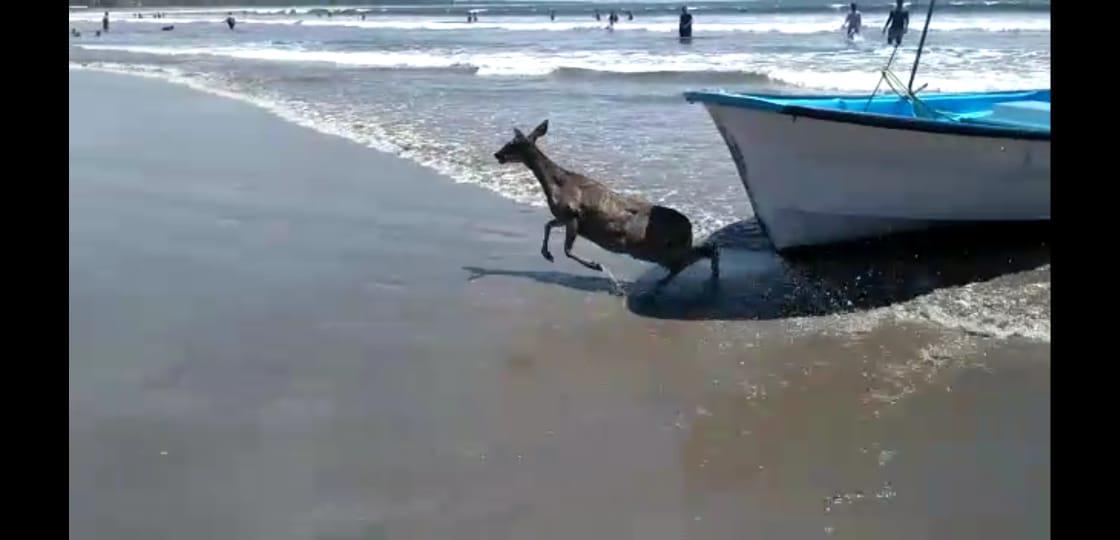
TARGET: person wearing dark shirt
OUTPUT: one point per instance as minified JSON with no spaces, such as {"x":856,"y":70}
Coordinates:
{"x":898,"y":22}
{"x":230,"y":21}
{"x":685,"y":29}
{"x":105,"y":22}
{"x":853,"y":22}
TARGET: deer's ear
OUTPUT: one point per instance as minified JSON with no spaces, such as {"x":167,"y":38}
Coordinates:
{"x":517,"y":134}
{"x":539,"y":131}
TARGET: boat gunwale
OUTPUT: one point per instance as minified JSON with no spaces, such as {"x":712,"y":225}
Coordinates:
{"x":762,"y":102}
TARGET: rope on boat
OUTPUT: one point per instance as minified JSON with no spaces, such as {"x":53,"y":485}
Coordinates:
{"x":883,"y":74}
{"x":921,"y":109}
{"x":905,"y":91}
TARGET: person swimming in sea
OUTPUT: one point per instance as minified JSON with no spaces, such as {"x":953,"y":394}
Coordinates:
{"x":105,"y":22}
{"x":684,"y":30}
{"x":597,"y":17}
{"x":230,"y":21}
{"x":853,"y":22}
{"x":898,"y":22}
{"x":552,"y":14}
{"x":629,"y":15}
{"x":612,"y":19}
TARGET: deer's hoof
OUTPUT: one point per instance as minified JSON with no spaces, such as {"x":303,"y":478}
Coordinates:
{"x":547,"y":256}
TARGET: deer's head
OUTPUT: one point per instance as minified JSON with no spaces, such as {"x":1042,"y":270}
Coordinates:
{"x":516,"y":149}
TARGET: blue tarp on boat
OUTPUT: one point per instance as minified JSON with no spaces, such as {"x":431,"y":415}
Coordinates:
{"x":1019,"y":114}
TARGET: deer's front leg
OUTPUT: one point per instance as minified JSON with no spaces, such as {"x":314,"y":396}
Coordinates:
{"x":571,"y":231}
{"x":547,"y":232}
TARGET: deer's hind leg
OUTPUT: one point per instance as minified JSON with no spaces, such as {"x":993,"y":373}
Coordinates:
{"x":708,"y":251}
{"x":571,"y":232}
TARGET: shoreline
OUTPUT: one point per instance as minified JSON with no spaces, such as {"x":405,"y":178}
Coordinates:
{"x":276,"y":334}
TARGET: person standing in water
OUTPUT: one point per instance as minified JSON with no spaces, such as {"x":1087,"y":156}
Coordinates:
{"x":230,"y":21}
{"x":629,"y":15}
{"x":611,"y":19}
{"x":597,"y":17}
{"x":105,"y":22}
{"x":853,"y":22}
{"x":899,"y":22}
{"x":552,"y":14}
{"x":685,"y":28}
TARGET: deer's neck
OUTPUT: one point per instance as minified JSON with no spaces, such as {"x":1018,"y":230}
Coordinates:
{"x":545,"y":171}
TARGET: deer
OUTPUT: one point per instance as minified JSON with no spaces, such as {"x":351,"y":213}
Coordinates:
{"x":617,"y":223}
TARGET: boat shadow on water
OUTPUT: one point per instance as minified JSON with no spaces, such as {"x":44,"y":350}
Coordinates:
{"x":757,"y":283}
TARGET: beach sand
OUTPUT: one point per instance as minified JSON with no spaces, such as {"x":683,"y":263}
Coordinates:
{"x":280,"y":334}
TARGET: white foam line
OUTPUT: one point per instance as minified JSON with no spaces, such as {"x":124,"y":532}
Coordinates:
{"x":620,"y":62}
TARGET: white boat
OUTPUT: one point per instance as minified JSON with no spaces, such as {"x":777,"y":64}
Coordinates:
{"x":827,"y":169}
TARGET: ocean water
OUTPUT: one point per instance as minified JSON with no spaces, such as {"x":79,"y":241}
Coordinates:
{"x":415,"y":78}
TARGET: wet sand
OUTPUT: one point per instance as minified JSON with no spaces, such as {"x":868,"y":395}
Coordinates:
{"x":279,"y":334}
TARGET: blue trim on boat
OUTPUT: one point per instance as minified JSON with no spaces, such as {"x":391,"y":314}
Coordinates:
{"x":834,"y":108}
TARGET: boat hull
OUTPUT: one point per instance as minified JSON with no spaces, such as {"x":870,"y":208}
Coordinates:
{"x":817,"y":181}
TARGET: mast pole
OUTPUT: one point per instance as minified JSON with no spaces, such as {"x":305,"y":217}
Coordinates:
{"x":921,"y":43}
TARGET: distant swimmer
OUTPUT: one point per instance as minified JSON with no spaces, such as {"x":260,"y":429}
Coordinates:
{"x":168,"y":28}
{"x":552,"y":14}
{"x":105,"y":22}
{"x":230,"y":21}
{"x":898,"y":22}
{"x":363,"y":16}
{"x":853,"y":22}
{"x":685,"y":28}
{"x":74,"y":32}
{"x":612,"y":19}
{"x":629,"y":15}
{"x":97,"y":33}
{"x":597,"y":17}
